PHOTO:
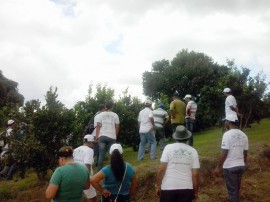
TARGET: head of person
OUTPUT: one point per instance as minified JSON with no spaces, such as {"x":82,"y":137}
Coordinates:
{"x":64,"y":154}
{"x":227,"y":91}
{"x":10,"y":123}
{"x":231,"y":121}
{"x":148,"y":103}
{"x":109,"y":105}
{"x":117,"y":161}
{"x":187,"y":97}
{"x":176,"y":95}
{"x":89,"y":140}
{"x":161,"y":106}
{"x":181,"y":134}
{"x":101,"y":107}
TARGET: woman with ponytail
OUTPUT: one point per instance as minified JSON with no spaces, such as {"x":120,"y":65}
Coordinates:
{"x":119,"y":179}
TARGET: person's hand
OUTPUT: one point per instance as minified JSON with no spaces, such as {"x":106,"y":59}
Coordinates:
{"x":158,"y":192}
{"x":105,"y":193}
{"x":217,"y":171}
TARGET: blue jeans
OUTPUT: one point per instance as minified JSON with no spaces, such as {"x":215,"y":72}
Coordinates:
{"x":232,"y":178}
{"x":190,"y":127}
{"x":151,"y":139}
{"x":104,"y":144}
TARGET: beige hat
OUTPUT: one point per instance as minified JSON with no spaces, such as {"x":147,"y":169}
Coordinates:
{"x":148,"y":102}
{"x":227,"y":90}
{"x":116,"y":146}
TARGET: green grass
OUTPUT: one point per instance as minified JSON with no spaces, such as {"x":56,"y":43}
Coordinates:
{"x":255,"y":181}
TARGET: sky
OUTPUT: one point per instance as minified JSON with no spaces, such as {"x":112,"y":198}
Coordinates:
{"x":70,"y":44}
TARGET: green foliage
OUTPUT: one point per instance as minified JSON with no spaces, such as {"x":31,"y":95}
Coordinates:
{"x":197,"y":74}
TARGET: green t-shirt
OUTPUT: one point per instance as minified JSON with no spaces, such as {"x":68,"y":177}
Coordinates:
{"x":179,"y":108}
{"x":70,"y":179}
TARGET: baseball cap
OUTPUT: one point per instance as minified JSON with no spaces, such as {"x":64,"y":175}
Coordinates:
{"x":161,"y":106}
{"x":116,"y":146}
{"x":227,"y":90}
{"x":89,"y":138}
{"x":187,"y":96}
{"x":10,"y":122}
{"x":148,"y":102}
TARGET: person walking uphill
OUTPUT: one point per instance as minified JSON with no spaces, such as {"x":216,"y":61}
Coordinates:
{"x":233,"y":158}
{"x":119,"y":178}
{"x":178,"y":174}
{"x":191,"y":110}
{"x":230,"y":104}
{"x":146,"y":130}
{"x":68,"y":180}
{"x":107,"y":131}
{"x":178,"y":109}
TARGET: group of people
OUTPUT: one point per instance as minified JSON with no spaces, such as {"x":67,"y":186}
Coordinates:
{"x":74,"y":176}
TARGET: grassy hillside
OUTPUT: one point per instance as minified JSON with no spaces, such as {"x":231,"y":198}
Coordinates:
{"x":255,"y":184}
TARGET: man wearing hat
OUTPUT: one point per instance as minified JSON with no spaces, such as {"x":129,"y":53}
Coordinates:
{"x":177,"y":109}
{"x":146,"y":129}
{"x":191,"y":110}
{"x":161,"y":118}
{"x":230,"y":103}
{"x":233,"y":158}
{"x":85,"y":155}
{"x":178,"y":174}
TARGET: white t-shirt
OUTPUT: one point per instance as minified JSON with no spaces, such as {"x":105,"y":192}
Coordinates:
{"x":230,"y":101}
{"x":235,"y":141}
{"x":144,"y":119}
{"x":108,"y":120}
{"x":84,"y":155}
{"x":192,"y":106}
{"x":180,"y":159}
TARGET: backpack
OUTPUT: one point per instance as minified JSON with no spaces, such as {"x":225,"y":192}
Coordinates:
{"x":91,"y":126}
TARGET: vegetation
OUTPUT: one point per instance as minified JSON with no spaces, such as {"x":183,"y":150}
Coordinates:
{"x":255,"y":186}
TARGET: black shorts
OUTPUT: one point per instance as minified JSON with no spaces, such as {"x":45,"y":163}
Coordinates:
{"x":177,"y":195}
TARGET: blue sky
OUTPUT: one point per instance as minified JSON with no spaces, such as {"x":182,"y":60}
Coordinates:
{"x":72,"y":43}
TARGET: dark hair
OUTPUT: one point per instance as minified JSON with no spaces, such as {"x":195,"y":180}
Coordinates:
{"x":117,"y":165}
{"x":101,"y":107}
{"x":66,"y":151}
{"x":109,"y":104}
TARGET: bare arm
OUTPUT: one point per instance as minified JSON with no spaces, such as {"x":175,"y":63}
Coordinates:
{"x":117,"y":127}
{"x":133,"y":188}
{"x":196,"y":182}
{"x":51,"y":191}
{"x":245,"y":156}
{"x":161,"y":172}
{"x":95,"y":182}
{"x":221,"y":161}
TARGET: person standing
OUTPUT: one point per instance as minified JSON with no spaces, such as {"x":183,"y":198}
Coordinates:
{"x":178,"y":174}
{"x":107,"y":131}
{"x":68,"y":180}
{"x":84,"y":155}
{"x":191,"y":109}
{"x":177,"y":109}
{"x":161,"y":118}
{"x":146,"y":130}
{"x":230,"y":104}
{"x":101,"y":108}
{"x":233,"y":158}
{"x":118,"y":179}
{"x":6,"y":153}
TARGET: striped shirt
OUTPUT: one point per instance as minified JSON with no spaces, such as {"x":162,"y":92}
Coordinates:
{"x":160,"y":116}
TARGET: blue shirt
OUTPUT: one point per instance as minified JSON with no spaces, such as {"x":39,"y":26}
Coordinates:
{"x":112,"y":185}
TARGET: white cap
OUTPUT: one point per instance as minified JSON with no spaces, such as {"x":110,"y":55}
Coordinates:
{"x":89,"y":138}
{"x":116,"y":146}
{"x":10,"y":122}
{"x":187,"y":96}
{"x":231,"y":117}
{"x":148,"y":102}
{"x":227,"y":90}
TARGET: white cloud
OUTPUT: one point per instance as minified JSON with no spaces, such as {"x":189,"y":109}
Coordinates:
{"x":71,"y":43}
